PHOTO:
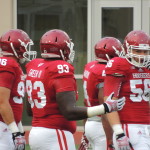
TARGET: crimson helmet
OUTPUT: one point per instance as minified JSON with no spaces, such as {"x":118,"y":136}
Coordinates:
{"x":137,"y":40}
{"x":107,"y":48}
{"x":57,"y":44}
{"x":16,"y":43}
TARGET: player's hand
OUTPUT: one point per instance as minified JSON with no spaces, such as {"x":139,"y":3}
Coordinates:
{"x":84,"y":143}
{"x":113,"y":105}
{"x":23,"y":136}
{"x":123,"y":142}
{"x":19,"y":141}
{"x":111,"y":147}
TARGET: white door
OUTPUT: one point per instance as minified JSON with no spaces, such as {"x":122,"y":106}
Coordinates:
{"x":115,"y":18}
{"x":146,"y":16}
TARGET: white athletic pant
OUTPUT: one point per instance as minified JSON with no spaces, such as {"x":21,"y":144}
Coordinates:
{"x":6,"y":141}
{"x":95,"y":134}
{"x":50,"y":139}
{"x":139,"y":136}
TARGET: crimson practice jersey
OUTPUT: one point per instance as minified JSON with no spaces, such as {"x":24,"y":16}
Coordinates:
{"x":12,"y":77}
{"x":44,"y":80}
{"x":93,"y":79}
{"x":136,"y":89}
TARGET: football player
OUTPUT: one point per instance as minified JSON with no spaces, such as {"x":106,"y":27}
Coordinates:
{"x":13,"y":51}
{"x":52,"y":93}
{"x":129,"y":77}
{"x":93,"y":82}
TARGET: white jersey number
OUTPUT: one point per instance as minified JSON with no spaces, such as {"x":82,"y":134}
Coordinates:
{"x":139,"y":94}
{"x":21,"y":91}
{"x":40,"y":93}
{"x":63,"y":68}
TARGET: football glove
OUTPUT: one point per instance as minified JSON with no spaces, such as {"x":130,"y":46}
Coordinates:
{"x":123,"y":142}
{"x":113,"y":105}
{"x":84,"y":143}
{"x":111,"y":147}
{"x":19,"y":140}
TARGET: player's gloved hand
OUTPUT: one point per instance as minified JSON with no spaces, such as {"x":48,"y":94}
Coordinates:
{"x":84,"y":143}
{"x":113,"y":105}
{"x":123,"y":142}
{"x":19,"y":141}
{"x":23,"y":136}
{"x":111,"y":147}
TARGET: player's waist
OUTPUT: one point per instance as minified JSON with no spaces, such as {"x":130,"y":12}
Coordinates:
{"x":95,"y":118}
{"x":55,"y":123}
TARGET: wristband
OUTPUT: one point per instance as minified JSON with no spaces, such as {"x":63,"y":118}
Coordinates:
{"x":106,"y":108}
{"x":13,"y":127}
{"x":20,"y":127}
{"x":117,"y":128}
{"x":95,"y":110}
{"x":120,"y":135}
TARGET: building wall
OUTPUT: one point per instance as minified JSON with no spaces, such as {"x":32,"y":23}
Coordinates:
{"x":7,"y":15}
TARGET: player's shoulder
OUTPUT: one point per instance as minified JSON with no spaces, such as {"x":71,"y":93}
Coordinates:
{"x":90,"y":64}
{"x":118,"y":61}
{"x":9,"y":64}
{"x":8,"y":61}
{"x":34,"y":62}
{"x":59,"y":64}
{"x":59,"y":68}
{"x":117,"y":65}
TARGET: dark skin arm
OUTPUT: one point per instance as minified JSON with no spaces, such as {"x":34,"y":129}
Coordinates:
{"x":67,"y":106}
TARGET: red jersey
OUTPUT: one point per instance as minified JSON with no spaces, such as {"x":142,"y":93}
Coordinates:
{"x":41,"y":88}
{"x":136,"y":89}
{"x":93,"y":77}
{"x":13,"y":78}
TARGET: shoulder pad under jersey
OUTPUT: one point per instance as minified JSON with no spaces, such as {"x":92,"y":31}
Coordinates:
{"x":60,"y":68}
{"x":8,"y":64}
{"x":117,"y":66}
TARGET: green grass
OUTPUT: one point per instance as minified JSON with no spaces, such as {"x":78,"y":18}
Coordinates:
{"x":27,"y":147}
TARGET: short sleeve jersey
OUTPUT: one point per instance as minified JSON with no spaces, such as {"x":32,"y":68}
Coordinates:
{"x":136,"y":89}
{"x":93,"y":77}
{"x":9,"y":68}
{"x":41,"y":90}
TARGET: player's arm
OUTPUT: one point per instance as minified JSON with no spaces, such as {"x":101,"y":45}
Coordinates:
{"x":107,"y":128}
{"x":6,"y":82}
{"x":67,"y":104}
{"x":113,"y":83}
{"x":5,"y":108}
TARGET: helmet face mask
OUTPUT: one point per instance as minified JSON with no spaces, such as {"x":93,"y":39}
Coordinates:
{"x":17,"y":43}
{"x":57,"y":44}
{"x":107,"y":48}
{"x":137,"y":46}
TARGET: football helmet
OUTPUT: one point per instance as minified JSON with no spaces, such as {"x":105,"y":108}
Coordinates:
{"x":137,"y":40}
{"x":57,"y":44}
{"x":107,"y":48}
{"x":17,"y":43}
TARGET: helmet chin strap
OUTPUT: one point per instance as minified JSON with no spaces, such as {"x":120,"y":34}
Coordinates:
{"x":62,"y":55}
{"x":107,"y":57}
{"x":11,"y":44}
